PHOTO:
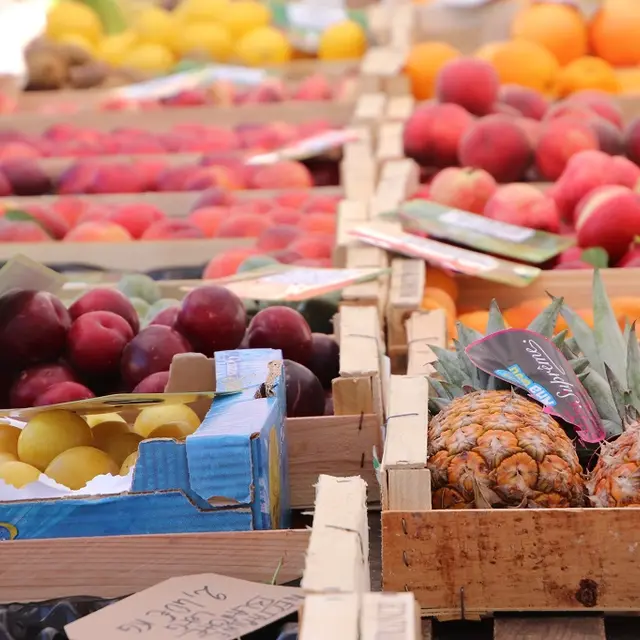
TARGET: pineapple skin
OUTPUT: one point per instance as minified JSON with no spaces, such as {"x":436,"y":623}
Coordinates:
{"x":497,"y":449}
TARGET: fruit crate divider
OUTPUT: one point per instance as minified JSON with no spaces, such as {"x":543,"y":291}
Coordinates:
{"x":381,"y":70}
{"x":424,"y":328}
{"x":399,"y":108}
{"x":390,"y":145}
{"x":372,"y":292}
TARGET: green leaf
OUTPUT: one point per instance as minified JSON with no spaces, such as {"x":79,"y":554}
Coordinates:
{"x":448,"y":365}
{"x":584,"y":339}
{"x":606,"y":331}
{"x":597,"y":387}
{"x":545,"y":322}
{"x":495,"y":321}
{"x":18,"y":215}
{"x":560,"y":338}
{"x":618,"y":392}
{"x":465,"y":364}
{"x":467,"y":335}
{"x":439,"y":389}
{"x":596,"y":256}
{"x":579,"y":365}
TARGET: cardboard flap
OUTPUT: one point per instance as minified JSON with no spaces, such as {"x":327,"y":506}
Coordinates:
{"x":21,"y":272}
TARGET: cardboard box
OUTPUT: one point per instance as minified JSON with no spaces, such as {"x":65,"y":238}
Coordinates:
{"x":230,"y":475}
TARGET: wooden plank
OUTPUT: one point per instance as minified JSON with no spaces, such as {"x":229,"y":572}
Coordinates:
{"x":390,"y":145}
{"x":393,"y":616}
{"x":339,"y":446}
{"x":351,"y":213}
{"x":331,"y":615}
{"x":120,"y":565}
{"x":369,"y":109}
{"x":399,"y":108}
{"x":549,"y":628}
{"x":373,"y":292}
{"x":514,"y":559}
{"x":425,"y":328}
{"x":338,"y":553}
{"x":405,"y":295}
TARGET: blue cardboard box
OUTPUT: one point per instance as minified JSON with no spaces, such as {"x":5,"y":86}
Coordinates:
{"x":230,"y":475}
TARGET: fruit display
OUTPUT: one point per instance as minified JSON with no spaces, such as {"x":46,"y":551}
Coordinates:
{"x":123,"y":339}
{"x":553,"y":47}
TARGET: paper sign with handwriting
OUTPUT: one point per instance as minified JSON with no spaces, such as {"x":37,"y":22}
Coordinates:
{"x":200,"y":606}
{"x":531,"y":362}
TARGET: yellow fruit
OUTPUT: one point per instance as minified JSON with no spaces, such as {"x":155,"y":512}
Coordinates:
{"x":113,"y":50}
{"x":50,"y":433}
{"x":96,"y":419}
{"x":73,"y":468}
{"x":244,"y":16}
{"x":7,"y":457}
{"x":149,"y":58}
{"x":342,"y":41}
{"x":130,"y":460}
{"x":154,"y":25}
{"x":119,"y":445}
{"x":107,"y":429}
{"x":203,"y":36}
{"x":73,"y":17}
{"x":77,"y":40}
{"x":153,"y":417}
{"x":263,"y":47}
{"x":18,"y":474}
{"x":9,"y":439}
{"x":177,"y":430}
{"x":202,"y":10}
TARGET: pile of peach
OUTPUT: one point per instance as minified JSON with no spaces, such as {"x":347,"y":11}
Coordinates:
{"x":68,"y":140}
{"x":302,"y":222}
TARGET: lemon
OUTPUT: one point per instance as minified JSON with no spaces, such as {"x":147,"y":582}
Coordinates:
{"x":73,"y":17}
{"x":243,"y":16}
{"x":202,"y":10}
{"x":49,"y":434}
{"x":118,"y":446}
{"x":7,"y":457}
{"x":113,"y":49}
{"x":78,"y":40}
{"x":153,"y":417}
{"x":342,"y":41}
{"x":149,"y":58}
{"x":154,"y":25}
{"x":18,"y":474}
{"x":73,"y":468}
{"x":107,"y":429}
{"x":203,"y":36}
{"x":9,"y":439}
{"x":176,"y":430}
{"x":263,"y":47}
{"x":128,"y":463}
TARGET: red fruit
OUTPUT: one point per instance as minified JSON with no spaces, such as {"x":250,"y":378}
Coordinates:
{"x":33,"y":327}
{"x":247,"y":225}
{"x":313,"y":246}
{"x":281,"y":328}
{"x":209,"y":219}
{"x":96,"y":341}
{"x":155,"y":383}
{"x":471,"y":83}
{"x":499,"y":146}
{"x":305,"y":396}
{"x":151,"y":351}
{"x":212,"y":318}
{"x":277,"y":237}
{"x":55,"y":225}
{"x":172,"y":228}
{"x":63,"y":392}
{"x":27,"y":178}
{"x":33,"y":382}
{"x":600,"y":103}
{"x":136,"y":218}
{"x":523,"y":205}
{"x":214,"y":197}
{"x":325,"y":358}
{"x":528,"y":102}
{"x":167,"y":317}
{"x":227,"y":262}
{"x":103,"y":299}
{"x":609,"y":136}
{"x":5,"y":186}
{"x":466,"y":189}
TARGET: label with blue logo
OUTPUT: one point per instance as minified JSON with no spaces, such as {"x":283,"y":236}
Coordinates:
{"x":516,"y":376}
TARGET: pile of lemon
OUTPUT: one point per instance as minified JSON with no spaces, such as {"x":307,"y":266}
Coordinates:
{"x":73,"y":449}
{"x":238,"y":31}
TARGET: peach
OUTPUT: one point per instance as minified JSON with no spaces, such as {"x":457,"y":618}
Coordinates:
{"x":433,"y":132}
{"x":523,"y":205}
{"x":601,"y":103}
{"x":34,"y":381}
{"x":55,"y":225}
{"x":285,"y":256}
{"x":71,"y":209}
{"x":531,"y":128}
{"x":469,"y":82}
{"x":322,"y":204}
{"x":608,"y":217}
{"x":609,"y":136}
{"x":208,"y":219}
{"x":632,"y":141}
{"x":104,"y":299}
{"x":528,"y":102}
{"x":252,"y":206}
{"x":293,"y":198}
{"x":285,"y":216}
{"x":78,"y":178}
{"x":319,"y":223}
{"x":560,"y":140}
{"x":246,"y":225}
{"x":136,"y":218}
{"x":566,"y":109}
{"x":22,"y":232}
{"x":505,"y":110}
{"x":271,"y":90}
{"x":26,"y":177}
{"x":17,"y":150}
{"x":287,"y":174}
{"x":277,"y":237}
{"x":227,"y":262}
{"x":214,"y":197}
{"x":116,"y":178}
{"x":466,"y":189}
{"x":5,"y":185}
{"x":313,"y":87}
{"x":95,"y":342}
{"x":174,"y":178}
{"x":584,"y":171}
{"x":214,"y":176}
{"x":497,"y":145}
{"x":98,"y":232}
{"x":625,"y":172}
{"x":63,"y":392}
{"x":149,"y":172}
{"x":316,"y":246}
{"x":172,"y":228}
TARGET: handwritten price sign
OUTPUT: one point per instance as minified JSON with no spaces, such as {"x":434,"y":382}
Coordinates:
{"x":202,"y":606}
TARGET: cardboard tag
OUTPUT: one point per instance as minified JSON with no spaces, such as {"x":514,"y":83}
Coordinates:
{"x":390,"y":236}
{"x":21,"y":272}
{"x":200,"y":606}
{"x":299,"y":283}
{"x":482,"y":234}
{"x":308,"y":147}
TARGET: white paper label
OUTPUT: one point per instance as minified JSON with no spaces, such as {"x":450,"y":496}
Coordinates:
{"x":486,"y":226}
{"x":315,"y":17}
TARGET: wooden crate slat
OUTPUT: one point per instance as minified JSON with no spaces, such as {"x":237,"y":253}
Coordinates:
{"x":549,"y":628}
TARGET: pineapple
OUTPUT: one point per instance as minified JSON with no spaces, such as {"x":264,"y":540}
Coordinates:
{"x":490,"y":446}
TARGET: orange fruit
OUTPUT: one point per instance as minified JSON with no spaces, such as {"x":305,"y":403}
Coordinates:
{"x":423,"y":64}
{"x":488,"y":50}
{"x":613,"y":32}
{"x":559,"y":28}
{"x":475,"y":320}
{"x":442,"y":298}
{"x":521,"y":315}
{"x":626,"y":307}
{"x":440,"y":279}
{"x":584,"y":73}
{"x":527,"y":64}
